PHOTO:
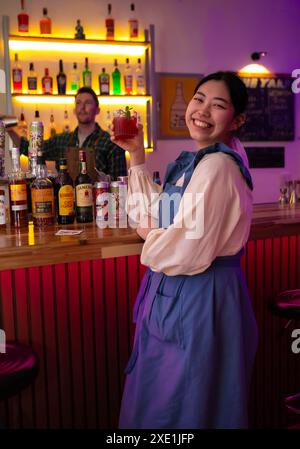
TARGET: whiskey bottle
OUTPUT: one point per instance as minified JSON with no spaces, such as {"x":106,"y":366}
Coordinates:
{"x":116,"y":76}
{"x":84,"y":192}
{"x":17,"y":75}
{"x":47,"y":83}
{"x":17,"y":192}
{"x":64,"y":195}
{"x":61,"y":79}
{"x":110,"y":24}
{"x":42,"y":195}
{"x":32,"y":80}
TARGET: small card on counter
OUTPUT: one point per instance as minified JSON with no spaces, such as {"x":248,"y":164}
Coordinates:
{"x":69,"y":232}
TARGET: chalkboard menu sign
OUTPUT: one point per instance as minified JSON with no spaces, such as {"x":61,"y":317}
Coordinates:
{"x":270,"y":111}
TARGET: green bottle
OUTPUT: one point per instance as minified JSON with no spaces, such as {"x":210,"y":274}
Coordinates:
{"x":87,"y":75}
{"x":116,"y":77}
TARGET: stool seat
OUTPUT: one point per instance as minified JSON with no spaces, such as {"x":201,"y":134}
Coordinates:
{"x":18,"y":368}
{"x":286,"y":304}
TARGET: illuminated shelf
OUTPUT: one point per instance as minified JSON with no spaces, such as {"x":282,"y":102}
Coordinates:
{"x":58,"y":45}
{"x":69,"y":99}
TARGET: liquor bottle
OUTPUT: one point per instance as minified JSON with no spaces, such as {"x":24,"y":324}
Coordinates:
{"x":17,"y":192}
{"x":61,"y":79}
{"x":87,"y":74}
{"x":110,"y":25}
{"x":2,"y":149}
{"x":47,"y":83}
{"x":133,"y":24}
{"x":52,"y":127}
{"x":66,"y":123}
{"x":156,"y":177}
{"x":17,"y":75}
{"x":2,"y":208}
{"x":128,"y":78}
{"x":116,"y":76}
{"x":140,"y":79}
{"x":74,"y":78}
{"x":64,"y":195}
{"x":84,"y":192}
{"x":32,"y":79}
{"x":178,"y":108}
{"x":22,"y":126}
{"x":104,"y":83}
{"x":23,"y":19}
{"x":42,"y":195}
{"x":45,"y":23}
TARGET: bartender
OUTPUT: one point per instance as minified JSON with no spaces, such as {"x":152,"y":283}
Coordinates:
{"x":109,"y":157}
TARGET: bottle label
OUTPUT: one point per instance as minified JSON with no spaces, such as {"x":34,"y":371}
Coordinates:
{"x":18,"y":192}
{"x":32,"y":83}
{"x":17,"y":75}
{"x":47,"y":85}
{"x":133,"y":28}
{"x":42,"y":203}
{"x":2,"y":210}
{"x":128,"y":82}
{"x":104,"y":84}
{"x":140,"y":81}
{"x":110,"y":28}
{"x":87,"y":80}
{"x":84,"y":195}
{"x":66,"y":200}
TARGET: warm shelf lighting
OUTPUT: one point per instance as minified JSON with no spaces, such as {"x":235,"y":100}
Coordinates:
{"x":48,"y":99}
{"x":254,"y":69}
{"x":76,"y":47}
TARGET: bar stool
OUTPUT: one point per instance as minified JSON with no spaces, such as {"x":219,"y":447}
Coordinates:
{"x":18,"y":368}
{"x":287,"y":305}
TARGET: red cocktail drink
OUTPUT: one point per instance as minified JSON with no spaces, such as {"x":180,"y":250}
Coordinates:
{"x":125,"y":125}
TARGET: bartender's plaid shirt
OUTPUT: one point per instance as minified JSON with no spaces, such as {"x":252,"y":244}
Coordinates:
{"x":109,"y":157}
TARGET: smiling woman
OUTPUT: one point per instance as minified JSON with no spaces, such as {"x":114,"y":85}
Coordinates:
{"x":190,"y":367}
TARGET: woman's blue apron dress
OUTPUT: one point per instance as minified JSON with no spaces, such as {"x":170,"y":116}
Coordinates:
{"x":195,"y":339}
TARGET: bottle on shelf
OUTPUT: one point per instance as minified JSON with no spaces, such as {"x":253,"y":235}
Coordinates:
{"x":17,"y":75}
{"x":61,"y":79}
{"x":23,"y":19}
{"x":133,"y":24}
{"x":42,"y":195}
{"x":22,"y":126}
{"x":45,"y":23}
{"x":116,"y":76}
{"x":66,"y":123}
{"x":74,"y":78}
{"x":87,"y":74}
{"x":104,"y":83}
{"x":128,"y":78}
{"x":17,"y":192}
{"x":84,"y":192}
{"x":140,"y":79}
{"x":32,"y":80}
{"x":52,"y":127}
{"x":156,"y":177}
{"x":64,"y":195}
{"x":47,"y":83}
{"x":110,"y":25}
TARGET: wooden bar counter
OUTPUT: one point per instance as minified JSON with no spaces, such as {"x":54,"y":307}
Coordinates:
{"x":71,"y":299}
{"x":17,"y":250}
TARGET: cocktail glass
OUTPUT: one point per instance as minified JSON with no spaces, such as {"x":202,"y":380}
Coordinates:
{"x":125,"y":124}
